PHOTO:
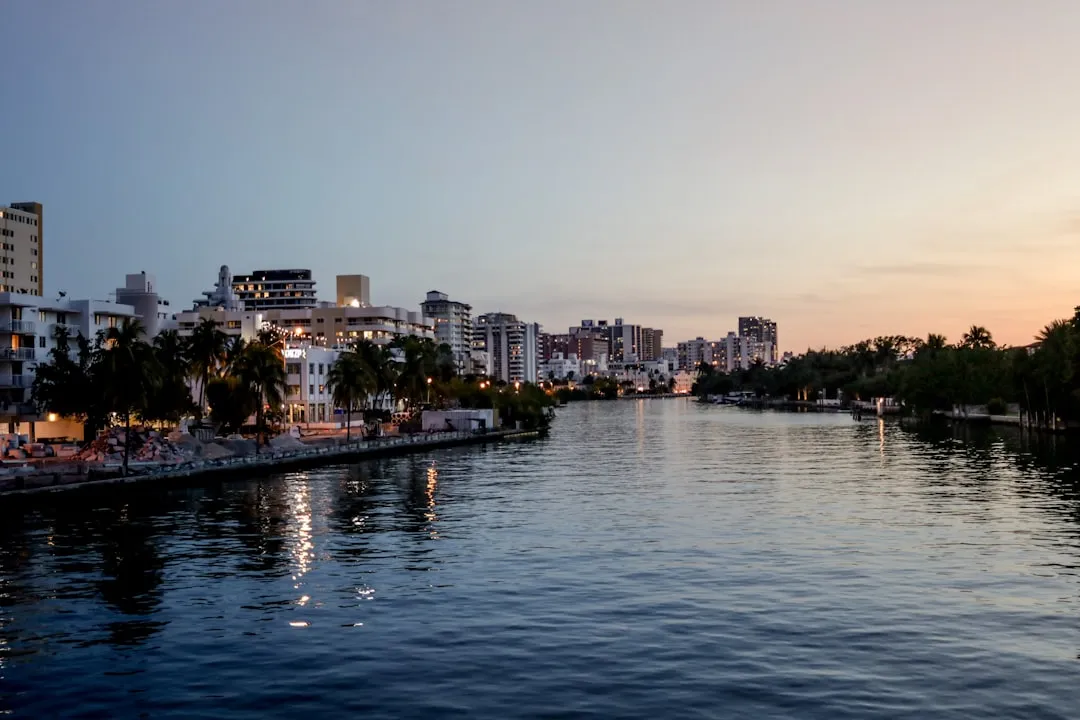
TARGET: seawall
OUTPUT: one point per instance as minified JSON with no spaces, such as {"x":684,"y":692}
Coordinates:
{"x":201,"y":470}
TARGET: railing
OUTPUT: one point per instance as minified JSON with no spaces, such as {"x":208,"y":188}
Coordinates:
{"x":16,"y":381}
{"x":17,"y":354}
{"x":18,"y":409}
{"x":18,"y":326}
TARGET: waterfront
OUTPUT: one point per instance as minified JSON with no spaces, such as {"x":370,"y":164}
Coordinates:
{"x":652,"y":558}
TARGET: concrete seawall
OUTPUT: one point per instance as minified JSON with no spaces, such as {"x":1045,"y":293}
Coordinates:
{"x":199,"y":470}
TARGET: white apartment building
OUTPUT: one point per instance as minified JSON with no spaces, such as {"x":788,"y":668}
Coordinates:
{"x":510,"y":345}
{"x":326,"y":325}
{"x":140,"y":292}
{"x":28,"y":325}
{"x":21,"y":249}
{"x":692,"y":353}
{"x":560,"y":367}
{"x":453,"y":325}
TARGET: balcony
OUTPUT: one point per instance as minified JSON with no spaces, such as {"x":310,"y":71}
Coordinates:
{"x":17,"y":410}
{"x":19,"y":327}
{"x":16,"y":381}
{"x":17,"y":354}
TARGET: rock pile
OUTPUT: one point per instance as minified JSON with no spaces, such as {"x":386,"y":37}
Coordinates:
{"x":146,"y":446}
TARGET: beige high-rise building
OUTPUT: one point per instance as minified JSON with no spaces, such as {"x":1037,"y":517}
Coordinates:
{"x":21,"y":252}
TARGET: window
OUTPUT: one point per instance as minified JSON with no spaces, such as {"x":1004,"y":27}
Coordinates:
{"x":311,"y":390}
{"x":33,"y":265}
{"x":320,"y":371}
{"x":41,"y":341}
{"x":311,"y":369}
{"x":322,"y":389}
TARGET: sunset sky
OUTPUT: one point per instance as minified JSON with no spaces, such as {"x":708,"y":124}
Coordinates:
{"x":848,"y":168}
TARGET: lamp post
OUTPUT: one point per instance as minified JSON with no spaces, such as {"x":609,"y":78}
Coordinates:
{"x":429,"y":391}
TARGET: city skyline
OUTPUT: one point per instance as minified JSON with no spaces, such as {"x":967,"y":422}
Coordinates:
{"x":560,"y":161}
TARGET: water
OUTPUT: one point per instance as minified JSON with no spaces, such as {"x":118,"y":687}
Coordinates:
{"x":650,"y":559}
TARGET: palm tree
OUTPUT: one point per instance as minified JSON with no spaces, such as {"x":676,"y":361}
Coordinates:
{"x":978,"y":338}
{"x":207,"y":349}
{"x":129,"y":372}
{"x":262,"y":373}
{"x":380,"y":361}
{"x":414,"y":368}
{"x":351,"y":382}
{"x":171,"y":398}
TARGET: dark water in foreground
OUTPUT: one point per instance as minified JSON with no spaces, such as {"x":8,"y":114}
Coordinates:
{"x":650,"y":559}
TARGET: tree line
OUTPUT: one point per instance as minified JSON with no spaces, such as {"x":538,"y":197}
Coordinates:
{"x":929,"y":374}
{"x":119,"y":377}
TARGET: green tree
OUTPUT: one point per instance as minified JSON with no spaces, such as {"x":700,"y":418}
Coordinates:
{"x":129,"y":374}
{"x":206,"y":352}
{"x":351,"y":382}
{"x":170,"y":399}
{"x":261,"y":372}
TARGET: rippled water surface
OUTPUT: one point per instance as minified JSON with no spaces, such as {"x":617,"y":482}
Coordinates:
{"x":649,"y":559}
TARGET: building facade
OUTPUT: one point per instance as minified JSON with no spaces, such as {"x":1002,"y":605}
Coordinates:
{"x":762,"y":335}
{"x":453,"y":325}
{"x":140,"y":292}
{"x":22,"y":249}
{"x":624,"y":341}
{"x":510,"y":346}
{"x":28,"y":332}
{"x":275,"y":289}
{"x":652,"y":341}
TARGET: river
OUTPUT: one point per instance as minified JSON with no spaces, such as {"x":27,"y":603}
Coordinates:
{"x":649,"y":559}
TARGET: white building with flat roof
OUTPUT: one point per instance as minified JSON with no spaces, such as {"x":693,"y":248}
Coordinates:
{"x":28,"y":325}
{"x":510,"y":347}
{"x":453,"y":325}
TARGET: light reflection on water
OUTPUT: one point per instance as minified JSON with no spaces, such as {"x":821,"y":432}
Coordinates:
{"x":651,"y":559}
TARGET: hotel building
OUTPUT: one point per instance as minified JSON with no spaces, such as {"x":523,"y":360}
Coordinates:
{"x":275,"y":289}
{"x":453,"y":325}
{"x":21,"y":249}
{"x":508,"y":345}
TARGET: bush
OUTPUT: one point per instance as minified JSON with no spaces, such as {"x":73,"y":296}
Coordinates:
{"x":997,"y":406}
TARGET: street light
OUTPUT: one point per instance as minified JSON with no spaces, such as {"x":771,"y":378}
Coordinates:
{"x":428,"y":391}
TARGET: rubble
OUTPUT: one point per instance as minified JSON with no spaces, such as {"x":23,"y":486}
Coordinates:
{"x":286,"y":441}
{"x":146,"y":446}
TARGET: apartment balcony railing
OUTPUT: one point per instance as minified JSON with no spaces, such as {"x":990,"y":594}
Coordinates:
{"x":18,"y":326}
{"x":17,"y":354}
{"x":16,"y":381}
{"x":18,"y":409}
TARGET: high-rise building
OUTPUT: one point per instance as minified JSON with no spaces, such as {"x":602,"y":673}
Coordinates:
{"x":552,"y":345}
{"x":624,"y":341}
{"x":453,"y":325}
{"x":761,"y":331}
{"x":694,"y":352}
{"x":509,"y":346}
{"x":23,"y":249}
{"x":275,"y":289}
{"x":652,"y":340}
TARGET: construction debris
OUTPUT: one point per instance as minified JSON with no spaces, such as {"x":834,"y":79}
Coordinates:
{"x":146,"y":446}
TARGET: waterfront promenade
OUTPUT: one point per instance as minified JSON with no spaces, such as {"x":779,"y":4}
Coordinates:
{"x":269,"y":459}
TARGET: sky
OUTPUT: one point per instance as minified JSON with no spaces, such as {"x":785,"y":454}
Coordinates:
{"x":847,"y":168}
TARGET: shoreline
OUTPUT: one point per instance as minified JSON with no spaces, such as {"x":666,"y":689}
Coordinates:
{"x":185,"y":473}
